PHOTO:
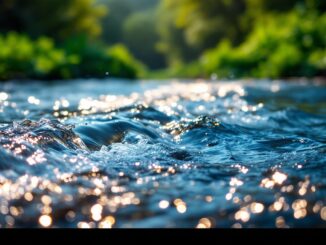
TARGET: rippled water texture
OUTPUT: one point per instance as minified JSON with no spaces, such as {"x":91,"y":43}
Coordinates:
{"x":200,"y":154}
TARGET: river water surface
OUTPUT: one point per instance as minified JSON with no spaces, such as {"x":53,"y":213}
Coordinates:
{"x":91,"y":153}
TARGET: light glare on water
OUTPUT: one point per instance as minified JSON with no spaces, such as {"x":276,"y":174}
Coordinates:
{"x":201,"y":154}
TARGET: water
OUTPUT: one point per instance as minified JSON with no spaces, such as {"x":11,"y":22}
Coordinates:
{"x":200,"y":154}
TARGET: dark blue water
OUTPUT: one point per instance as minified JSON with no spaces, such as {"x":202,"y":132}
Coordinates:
{"x":200,"y":154}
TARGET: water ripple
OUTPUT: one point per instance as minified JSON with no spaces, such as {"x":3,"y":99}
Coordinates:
{"x":162,"y":154}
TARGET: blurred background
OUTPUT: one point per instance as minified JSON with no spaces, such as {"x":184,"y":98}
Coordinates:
{"x":64,"y":39}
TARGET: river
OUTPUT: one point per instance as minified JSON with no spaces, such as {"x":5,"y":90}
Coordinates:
{"x":129,"y":154}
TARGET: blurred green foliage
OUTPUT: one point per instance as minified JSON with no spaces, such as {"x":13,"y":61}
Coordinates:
{"x":282,"y":45}
{"x":97,"y":60}
{"x":53,"y":18}
{"x":183,"y":38}
{"x":133,"y":23}
{"x":244,"y":38}
{"x":22,"y":57}
{"x":188,"y":27}
{"x":119,"y":12}
{"x":140,"y":36}
{"x":57,"y":39}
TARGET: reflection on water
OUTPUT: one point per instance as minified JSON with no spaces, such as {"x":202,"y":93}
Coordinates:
{"x":162,"y":154}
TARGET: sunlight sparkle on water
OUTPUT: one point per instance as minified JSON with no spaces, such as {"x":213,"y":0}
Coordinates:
{"x":164,"y":204}
{"x":3,"y":96}
{"x":45,"y":220}
{"x":171,"y":154}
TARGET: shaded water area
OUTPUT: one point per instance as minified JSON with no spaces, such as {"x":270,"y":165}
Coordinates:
{"x":90,"y":153}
